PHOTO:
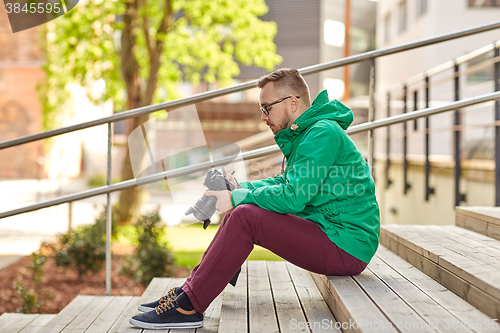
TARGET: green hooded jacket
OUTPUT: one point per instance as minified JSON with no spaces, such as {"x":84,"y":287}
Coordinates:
{"x":326,"y":180}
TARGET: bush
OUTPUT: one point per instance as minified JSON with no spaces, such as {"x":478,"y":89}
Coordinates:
{"x":84,"y":247}
{"x":151,"y":258}
{"x":30,"y":304}
{"x":36,"y":267}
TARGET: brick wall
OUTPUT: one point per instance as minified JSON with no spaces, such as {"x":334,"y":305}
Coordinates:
{"x":20,"y":108}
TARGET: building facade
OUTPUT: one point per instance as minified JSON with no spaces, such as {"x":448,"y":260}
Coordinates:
{"x":402,"y":195}
{"x":312,"y":32}
{"x":20,"y":110}
{"x":405,"y":21}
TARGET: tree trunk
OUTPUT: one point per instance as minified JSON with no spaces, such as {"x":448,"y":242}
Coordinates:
{"x":130,"y":200}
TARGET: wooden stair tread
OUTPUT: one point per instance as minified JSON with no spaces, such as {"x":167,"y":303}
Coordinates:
{"x":483,"y":220}
{"x":463,"y":261}
{"x":488,"y":214}
{"x":392,"y":295}
{"x":269,"y":297}
{"x":23,"y":323}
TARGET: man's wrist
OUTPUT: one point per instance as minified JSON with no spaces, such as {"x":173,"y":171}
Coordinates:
{"x":241,"y":196}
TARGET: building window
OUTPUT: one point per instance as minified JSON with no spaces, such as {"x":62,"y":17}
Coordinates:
{"x":361,"y":39}
{"x":334,"y":33}
{"x":402,"y":16}
{"x":334,"y":87}
{"x":421,"y":8}
{"x":387,"y":28}
{"x":236,"y":97}
{"x":484,"y":3}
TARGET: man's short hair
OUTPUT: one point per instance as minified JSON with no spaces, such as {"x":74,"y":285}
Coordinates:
{"x":289,"y":81}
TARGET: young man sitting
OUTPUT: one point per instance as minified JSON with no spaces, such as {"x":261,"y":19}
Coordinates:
{"x":320,"y":214}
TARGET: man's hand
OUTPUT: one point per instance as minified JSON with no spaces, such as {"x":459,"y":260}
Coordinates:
{"x":223,"y":204}
{"x":230,"y":177}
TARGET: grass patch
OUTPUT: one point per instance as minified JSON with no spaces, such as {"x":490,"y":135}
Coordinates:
{"x":189,"y":259}
{"x":188,"y":243}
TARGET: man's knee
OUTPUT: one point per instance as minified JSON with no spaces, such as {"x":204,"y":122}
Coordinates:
{"x":245,"y":209}
{"x":243,"y":213}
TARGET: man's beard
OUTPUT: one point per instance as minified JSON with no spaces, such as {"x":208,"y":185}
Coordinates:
{"x":281,"y":124}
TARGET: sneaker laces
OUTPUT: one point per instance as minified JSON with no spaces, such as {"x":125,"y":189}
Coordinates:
{"x":171,"y":293}
{"x":166,"y":305}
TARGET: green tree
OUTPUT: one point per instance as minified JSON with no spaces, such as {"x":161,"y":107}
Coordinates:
{"x":136,"y":46}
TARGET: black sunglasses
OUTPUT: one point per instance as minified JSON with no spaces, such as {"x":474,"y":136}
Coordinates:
{"x":264,"y":109}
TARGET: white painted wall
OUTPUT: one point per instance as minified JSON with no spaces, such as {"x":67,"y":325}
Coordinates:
{"x":442,"y":17}
{"x":398,"y":208}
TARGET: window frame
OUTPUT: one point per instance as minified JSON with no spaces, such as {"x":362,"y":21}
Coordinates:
{"x":402,"y":16}
{"x":387,"y":28}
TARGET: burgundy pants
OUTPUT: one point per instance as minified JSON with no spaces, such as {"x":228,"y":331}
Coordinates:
{"x":295,"y":239}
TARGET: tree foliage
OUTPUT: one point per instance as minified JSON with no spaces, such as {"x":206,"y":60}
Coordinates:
{"x":132,"y":47}
{"x":136,"y":46}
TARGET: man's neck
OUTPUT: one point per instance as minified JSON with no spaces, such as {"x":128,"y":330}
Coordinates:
{"x":297,"y":115}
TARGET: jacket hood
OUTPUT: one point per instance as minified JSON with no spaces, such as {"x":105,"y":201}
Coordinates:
{"x":323,"y":108}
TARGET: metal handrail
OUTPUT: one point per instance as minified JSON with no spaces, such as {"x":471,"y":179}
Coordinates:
{"x":127,"y":184}
{"x":247,"y":85}
{"x":445,"y":66}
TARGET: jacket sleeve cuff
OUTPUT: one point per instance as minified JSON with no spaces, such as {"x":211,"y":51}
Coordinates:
{"x":246,"y":185}
{"x":241,"y":196}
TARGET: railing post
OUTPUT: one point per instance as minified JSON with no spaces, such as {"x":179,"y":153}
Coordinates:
{"x":70,"y":215}
{"x":415,"y":108}
{"x":406,"y":185}
{"x":388,"y":144}
{"x":108,"y":215}
{"x":459,"y":197}
{"x":371,"y":117}
{"x":497,"y":127}
{"x":428,"y":190}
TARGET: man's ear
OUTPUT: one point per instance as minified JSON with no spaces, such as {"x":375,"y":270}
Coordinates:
{"x":294,"y":104}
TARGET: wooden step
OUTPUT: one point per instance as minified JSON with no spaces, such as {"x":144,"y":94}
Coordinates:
{"x":483,"y":220}
{"x":90,"y":314}
{"x":269,"y":297}
{"x":23,"y":323}
{"x":156,"y":289}
{"x":284,"y":298}
{"x":463,"y":261}
{"x":393,"y":296}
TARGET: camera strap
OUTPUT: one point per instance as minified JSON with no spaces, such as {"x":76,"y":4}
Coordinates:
{"x":283,"y":166}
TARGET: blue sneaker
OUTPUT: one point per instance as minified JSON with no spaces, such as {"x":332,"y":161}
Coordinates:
{"x":176,"y":291}
{"x":168,"y":315}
